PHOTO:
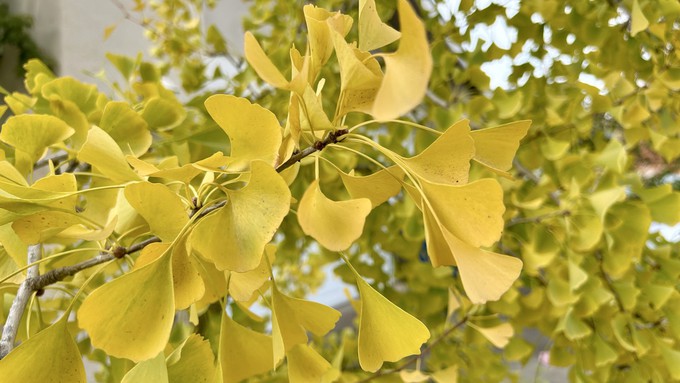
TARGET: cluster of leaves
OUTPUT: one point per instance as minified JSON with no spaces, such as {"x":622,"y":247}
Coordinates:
{"x":599,"y":165}
{"x":214,"y":232}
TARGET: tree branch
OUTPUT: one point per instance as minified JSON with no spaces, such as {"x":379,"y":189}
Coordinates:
{"x":16,"y":311}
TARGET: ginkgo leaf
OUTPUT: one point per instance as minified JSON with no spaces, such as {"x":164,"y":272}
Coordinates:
{"x":472,"y":212}
{"x":447,"y":375}
{"x":638,"y":20}
{"x":151,"y":370}
{"x":192,"y":361}
{"x":335,"y":224}
{"x":292,"y":318}
{"x":243,"y":352}
{"x":264,"y":67}
{"x":59,"y":361}
{"x":242,"y":286}
{"x":126,"y":127}
{"x":485,"y":275}
{"x":382,"y":329}
{"x":413,"y":376}
{"x":235,"y":236}
{"x":41,"y":226}
{"x":131,"y":316}
{"x":604,"y":353}
{"x":373,"y":33}
{"x":496,"y":147}
{"x":312,"y":116}
{"x":164,"y":212}
{"x":163,"y":113}
{"x":407,"y":70}
{"x":103,"y":153}
{"x":254,"y":132}
{"x":33,"y":133}
{"x":306,"y":365}
{"x":378,"y":187}
{"x":499,"y":335}
{"x":320,"y":24}
{"x":85,"y":96}
{"x":447,"y":159}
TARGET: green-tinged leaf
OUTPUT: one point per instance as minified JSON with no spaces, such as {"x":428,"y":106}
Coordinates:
{"x":131,"y":316}
{"x":320,"y":26}
{"x":242,"y":286}
{"x":672,"y":359}
{"x":59,"y":359}
{"x":335,"y":224}
{"x":162,"y":209}
{"x":235,"y":236}
{"x":386,"y":332}
{"x":126,"y":127}
{"x":254,"y":132}
{"x":373,"y":33}
{"x":496,"y":147}
{"x":413,"y":376}
{"x":84,"y":96}
{"x":191,"y":362}
{"x":148,"y":371}
{"x":306,"y":365}
{"x":447,"y":159}
{"x":407,"y":70}
{"x":37,"y":75}
{"x":32,"y":134}
{"x":499,"y":335}
{"x":243,"y":352}
{"x":104,"y":154}
{"x":574,"y":328}
{"x":162,"y":113}
{"x":378,"y":187}
{"x":638,"y":20}
{"x":577,"y":276}
{"x":622,"y":330}
{"x":605,"y":354}
{"x":292,"y":318}
{"x":447,"y":375}
{"x":585,"y":231}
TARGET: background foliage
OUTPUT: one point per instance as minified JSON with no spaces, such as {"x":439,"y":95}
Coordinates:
{"x":597,"y":167}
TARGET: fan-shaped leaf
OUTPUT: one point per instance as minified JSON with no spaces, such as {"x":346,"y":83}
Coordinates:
{"x":373,"y":33}
{"x":306,"y":365}
{"x":243,"y":352}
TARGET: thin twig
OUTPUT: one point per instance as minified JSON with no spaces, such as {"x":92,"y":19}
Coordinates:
{"x":415,"y":358}
{"x":538,"y":219}
{"x":16,"y":311}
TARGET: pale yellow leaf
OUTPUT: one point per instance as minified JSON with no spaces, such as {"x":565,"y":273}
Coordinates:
{"x":243,"y":352}
{"x":373,"y":33}
{"x":191,"y":362}
{"x":378,"y":187}
{"x":162,"y":208}
{"x":496,"y":147}
{"x":242,"y":286}
{"x":335,"y":224}
{"x":264,"y":67}
{"x":104,"y":154}
{"x":638,"y":20}
{"x":306,"y":365}
{"x":148,"y":371}
{"x":499,"y":335}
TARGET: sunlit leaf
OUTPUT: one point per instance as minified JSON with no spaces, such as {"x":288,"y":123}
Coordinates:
{"x":162,"y":209}
{"x":104,"y":154}
{"x":235,"y":236}
{"x":131,"y":316}
{"x":373,"y":33}
{"x":243,"y":285}
{"x":264,"y":67}
{"x":59,"y":361}
{"x":126,"y":127}
{"x":41,"y":226}
{"x":243,"y":352}
{"x":407,"y":70}
{"x":496,"y":147}
{"x":379,"y":323}
{"x":447,"y":375}
{"x":151,"y":370}
{"x":192,"y":361}
{"x":499,"y":335}
{"x":162,"y":113}
{"x":413,"y":376}
{"x":335,"y":224}
{"x":306,"y":365}
{"x":378,"y":187}
{"x":638,"y":20}
{"x":320,"y":24}
{"x":254,"y":132}
{"x":292,"y":318}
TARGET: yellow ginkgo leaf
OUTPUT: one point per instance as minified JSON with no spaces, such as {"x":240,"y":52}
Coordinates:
{"x":638,"y":20}
{"x":242,"y":286}
{"x":312,"y":116}
{"x":131,"y":316}
{"x":59,"y":360}
{"x":306,"y":365}
{"x":377,"y":187}
{"x":379,"y":322}
{"x":447,"y":159}
{"x":243,"y":352}
{"x":164,"y":212}
{"x":373,"y":33}
{"x":32,"y":134}
{"x":234,"y":237}
{"x":472,"y":212}
{"x":447,"y":375}
{"x":261,"y":63}
{"x":407,"y":70}
{"x":126,"y":127}
{"x":335,"y":224}
{"x":485,"y":275}
{"x":495,"y":147}
{"x":499,"y":335}
{"x":413,"y":376}
{"x":104,"y":154}
{"x":320,"y":24}
{"x":148,"y":371}
{"x":192,"y":361}
{"x":39,"y":227}
{"x":254,"y":132}
{"x":292,"y":318}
